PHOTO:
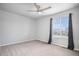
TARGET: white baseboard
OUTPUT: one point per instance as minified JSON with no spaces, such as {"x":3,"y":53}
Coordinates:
{"x":43,"y":40}
{"x":59,"y":45}
{"x":15,"y":42}
{"x":65,"y":46}
{"x":76,"y":49}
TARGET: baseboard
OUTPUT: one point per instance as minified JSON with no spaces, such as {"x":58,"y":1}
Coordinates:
{"x":65,"y":46}
{"x":43,"y":40}
{"x":15,"y":42}
{"x":76,"y":49}
{"x":59,"y":44}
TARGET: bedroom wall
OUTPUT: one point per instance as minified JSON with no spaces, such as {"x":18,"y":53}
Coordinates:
{"x":44,"y":23}
{"x":15,"y":28}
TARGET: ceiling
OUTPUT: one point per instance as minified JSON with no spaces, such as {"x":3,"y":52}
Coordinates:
{"x":21,"y":8}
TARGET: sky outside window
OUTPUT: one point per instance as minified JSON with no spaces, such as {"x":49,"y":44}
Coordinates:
{"x":60,"y":22}
{"x":60,"y":26}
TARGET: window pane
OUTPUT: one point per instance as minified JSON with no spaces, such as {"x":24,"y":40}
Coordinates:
{"x":60,"y":25}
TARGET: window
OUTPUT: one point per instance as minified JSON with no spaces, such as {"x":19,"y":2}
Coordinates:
{"x":60,"y":26}
{"x":60,"y":30}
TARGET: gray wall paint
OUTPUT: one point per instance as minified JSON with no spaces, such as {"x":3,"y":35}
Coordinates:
{"x":43,"y":26}
{"x":15,"y":28}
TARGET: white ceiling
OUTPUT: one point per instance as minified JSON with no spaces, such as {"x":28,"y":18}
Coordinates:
{"x":21,"y":8}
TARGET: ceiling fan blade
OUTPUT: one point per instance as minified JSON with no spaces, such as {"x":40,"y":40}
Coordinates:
{"x":35,"y":4}
{"x":37,"y":7}
{"x":45,"y":8}
{"x":31,"y":10}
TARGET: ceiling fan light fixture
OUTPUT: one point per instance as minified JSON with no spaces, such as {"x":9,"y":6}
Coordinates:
{"x":39,"y":9}
{"x":39,"y":13}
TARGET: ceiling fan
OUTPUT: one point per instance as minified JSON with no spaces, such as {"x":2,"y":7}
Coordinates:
{"x":38,"y":8}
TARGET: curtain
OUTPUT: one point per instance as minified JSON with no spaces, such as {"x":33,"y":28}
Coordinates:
{"x":70,"y":33}
{"x":50,"y":33}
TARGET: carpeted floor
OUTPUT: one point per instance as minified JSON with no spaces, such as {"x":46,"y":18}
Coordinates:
{"x":36,"y":48}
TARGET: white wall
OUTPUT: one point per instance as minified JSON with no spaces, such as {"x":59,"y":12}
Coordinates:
{"x":15,"y":28}
{"x":43,"y":26}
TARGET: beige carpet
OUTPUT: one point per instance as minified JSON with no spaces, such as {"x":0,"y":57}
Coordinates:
{"x":36,"y":48}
